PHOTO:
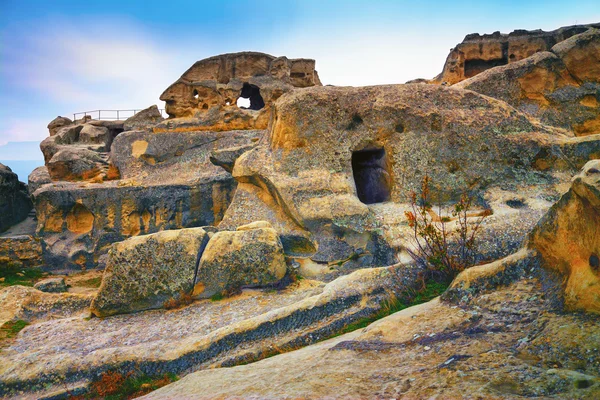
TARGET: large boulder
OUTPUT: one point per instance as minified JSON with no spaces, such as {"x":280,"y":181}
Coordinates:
{"x":15,"y":203}
{"x":143,"y":120}
{"x":581,"y":54}
{"x":73,"y":164}
{"x":38,"y":178}
{"x":99,"y":135}
{"x":57,"y":123}
{"x":568,"y":240}
{"x":79,"y":150}
{"x":144,"y":272}
{"x":251,"y":256}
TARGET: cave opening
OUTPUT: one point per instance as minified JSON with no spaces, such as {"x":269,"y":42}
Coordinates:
{"x":250,"y":97}
{"x":371,"y":176}
{"x":476,"y":66}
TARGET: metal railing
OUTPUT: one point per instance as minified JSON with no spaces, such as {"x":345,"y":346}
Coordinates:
{"x":110,"y":115}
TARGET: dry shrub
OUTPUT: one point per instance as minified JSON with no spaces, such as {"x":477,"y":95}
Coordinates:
{"x":110,"y":383}
{"x":112,"y":173}
{"x":183,"y":300}
{"x":89,"y":174}
{"x":433,"y":233}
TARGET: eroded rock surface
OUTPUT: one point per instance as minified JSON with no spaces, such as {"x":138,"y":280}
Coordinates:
{"x":327,"y":145}
{"x":167,"y":182}
{"x":31,"y":305}
{"x":240,"y":329}
{"x":506,"y":344}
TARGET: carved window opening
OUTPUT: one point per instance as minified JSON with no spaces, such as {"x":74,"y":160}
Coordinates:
{"x":250,"y":97}
{"x":371,"y":175}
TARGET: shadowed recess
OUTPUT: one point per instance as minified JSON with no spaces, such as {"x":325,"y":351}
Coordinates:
{"x":371,"y":176}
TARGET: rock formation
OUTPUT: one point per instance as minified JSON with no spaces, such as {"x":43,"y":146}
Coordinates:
{"x":145,"y":272}
{"x":293,"y":210}
{"x":478,"y":53}
{"x":214,"y":85}
{"x":14,"y":199}
{"x":251,"y":256}
{"x":328,"y":145}
{"x":154,"y":174}
{"x":567,"y":239}
{"x":560,"y":86}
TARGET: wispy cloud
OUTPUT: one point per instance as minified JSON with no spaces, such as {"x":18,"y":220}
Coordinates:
{"x":65,"y":67}
{"x":22,"y":130}
{"x":98,"y":64}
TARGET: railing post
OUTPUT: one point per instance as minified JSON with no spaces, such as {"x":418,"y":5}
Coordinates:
{"x":118,"y":119}
{"x":99,"y":115}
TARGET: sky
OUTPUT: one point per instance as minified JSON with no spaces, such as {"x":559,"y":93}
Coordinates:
{"x":61,"y":57}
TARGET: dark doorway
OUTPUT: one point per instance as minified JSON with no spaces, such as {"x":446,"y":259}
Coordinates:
{"x":371,"y":176}
{"x":252,"y":92}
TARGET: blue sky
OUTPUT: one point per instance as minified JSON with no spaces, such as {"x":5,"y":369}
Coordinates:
{"x":60,"y":57}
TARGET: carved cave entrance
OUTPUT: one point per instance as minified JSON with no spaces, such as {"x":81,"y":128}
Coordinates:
{"x":250,"y":97}
{"x":371,"y":176}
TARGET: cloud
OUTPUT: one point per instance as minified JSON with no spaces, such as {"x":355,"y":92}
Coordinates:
{"x":22,"y":130}
{"x":99,"y":65}
{"x":63,"y":67}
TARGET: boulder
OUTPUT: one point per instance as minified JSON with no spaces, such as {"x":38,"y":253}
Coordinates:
{"x":581,"y":55}
{"x":29,"y":304}
{"x":15,"y":203}
{"x":143,"y":120}
{"x":252,"y":256}
{"x":58,"y":123}
{"x":75,"y":164}
{"x":567,"y":239}
{"x":51,"y":285}
{"x":37,"y":178}
{"x":144,"y":272}
{"x":79,"y":151}
{"x":100,"y":135}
